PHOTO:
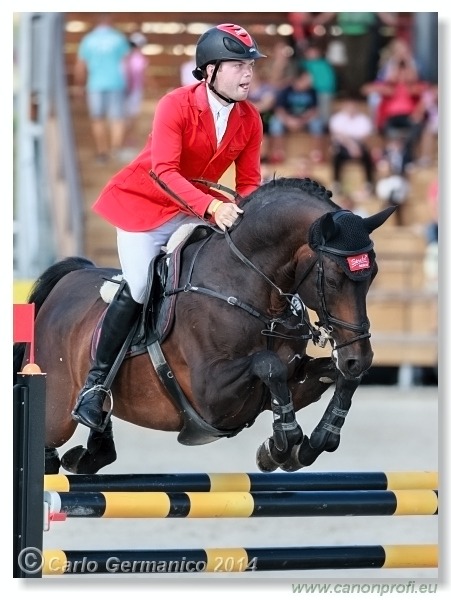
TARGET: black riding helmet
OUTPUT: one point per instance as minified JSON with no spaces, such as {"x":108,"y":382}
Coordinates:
{"x":220,"y":43}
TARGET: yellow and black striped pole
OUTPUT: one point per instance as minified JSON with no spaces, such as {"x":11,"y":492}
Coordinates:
{"x":244,"y":482}
{"x":227,"y":560}
{"x":242,"y":504}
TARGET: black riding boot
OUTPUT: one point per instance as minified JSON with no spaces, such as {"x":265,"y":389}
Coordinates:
{"x":117,"y":323}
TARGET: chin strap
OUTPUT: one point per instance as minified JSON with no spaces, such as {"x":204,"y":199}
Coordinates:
{"x":214,"y":90}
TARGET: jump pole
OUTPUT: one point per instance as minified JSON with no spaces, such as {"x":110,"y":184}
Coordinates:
{"x":240,"y":504}
{"x":228,"y":560}
{"x":244,"y":482}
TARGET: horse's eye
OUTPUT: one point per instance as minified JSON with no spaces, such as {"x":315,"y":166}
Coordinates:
{"x":331,"y":283}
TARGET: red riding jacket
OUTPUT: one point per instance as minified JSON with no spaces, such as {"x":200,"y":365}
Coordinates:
{"x":182,"y":146}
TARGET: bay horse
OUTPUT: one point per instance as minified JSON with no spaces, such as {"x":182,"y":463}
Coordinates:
{"x":237,"y":328}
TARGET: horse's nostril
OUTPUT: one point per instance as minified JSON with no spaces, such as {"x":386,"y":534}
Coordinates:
{"x":354,"y":366}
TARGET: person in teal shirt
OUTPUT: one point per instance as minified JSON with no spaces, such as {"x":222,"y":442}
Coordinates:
{"x":324,"y":79}
{"x":100,"y":69}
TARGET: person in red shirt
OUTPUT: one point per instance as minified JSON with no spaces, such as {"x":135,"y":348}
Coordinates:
{"x":198,"y":131}
{"x":400,"y":116}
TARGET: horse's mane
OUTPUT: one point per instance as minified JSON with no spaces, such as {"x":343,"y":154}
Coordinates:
{"x":312,"y":192}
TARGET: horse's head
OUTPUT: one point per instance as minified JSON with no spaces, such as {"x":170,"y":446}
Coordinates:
{"x":334,"y":279}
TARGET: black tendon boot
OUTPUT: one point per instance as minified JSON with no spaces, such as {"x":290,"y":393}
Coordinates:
{"x":117,"y":323}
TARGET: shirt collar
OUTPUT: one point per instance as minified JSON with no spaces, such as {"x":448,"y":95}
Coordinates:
{"x":216,"y":106}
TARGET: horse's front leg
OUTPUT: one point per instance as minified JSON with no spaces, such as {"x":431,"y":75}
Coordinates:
{"x":287,"y":433}
{"x":326,"y":435}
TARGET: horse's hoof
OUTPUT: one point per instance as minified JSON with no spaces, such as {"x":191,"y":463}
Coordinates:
{"x":324,"y":441}
{"x":332,"y":444}
{"x":70,"y":461}
{"x":307,"y":455}
{"x":52,"y":461}
{"x":293,"y":464}
{"x":79,"y":460}
{"x":265,"y":462}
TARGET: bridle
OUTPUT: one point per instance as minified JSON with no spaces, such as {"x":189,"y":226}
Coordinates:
{"x":326,"y":320}
{"x":319,"y":334}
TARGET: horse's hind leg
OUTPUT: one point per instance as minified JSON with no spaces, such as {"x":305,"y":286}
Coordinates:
{"x":52,"y":461}
{"x":99,"y":453}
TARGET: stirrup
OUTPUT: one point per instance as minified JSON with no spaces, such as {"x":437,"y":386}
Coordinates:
{"x":76,"y":417}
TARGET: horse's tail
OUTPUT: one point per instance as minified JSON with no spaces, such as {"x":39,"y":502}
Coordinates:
{"x":51,"y":276}
{"x":39,"y":292}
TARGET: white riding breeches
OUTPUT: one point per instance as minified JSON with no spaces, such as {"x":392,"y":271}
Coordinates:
{"x":136,"y":250}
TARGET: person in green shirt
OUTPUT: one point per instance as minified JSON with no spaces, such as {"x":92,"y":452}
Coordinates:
{"x":358,"y":34}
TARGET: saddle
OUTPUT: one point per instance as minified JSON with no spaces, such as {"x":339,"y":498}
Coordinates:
{"x":152,"y":328}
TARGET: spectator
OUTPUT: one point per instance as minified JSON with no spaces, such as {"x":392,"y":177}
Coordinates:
{"x":323,"y":77}
{"x":350,"y":129}
{"x":396,"y":52}
{"x":135,"y":68}
{"x":359,"y":35}
{"x":400,"y":114}
{"x":100,"y":67}
{"x":296,"y":110}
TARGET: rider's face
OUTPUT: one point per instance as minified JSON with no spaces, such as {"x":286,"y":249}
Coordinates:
{"x":233,"y":78}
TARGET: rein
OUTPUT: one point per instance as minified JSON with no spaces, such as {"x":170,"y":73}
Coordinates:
{"x":185,"y":205}
{"x":320,"y":334}
{"x":232,"y":300}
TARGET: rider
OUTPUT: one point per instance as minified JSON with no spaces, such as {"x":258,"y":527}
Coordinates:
{"x":198,"y":131}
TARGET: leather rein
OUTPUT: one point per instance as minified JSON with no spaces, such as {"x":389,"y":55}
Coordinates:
{"x":296,"y":307}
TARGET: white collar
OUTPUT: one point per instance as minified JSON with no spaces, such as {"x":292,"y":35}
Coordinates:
{"x":216,"y":106}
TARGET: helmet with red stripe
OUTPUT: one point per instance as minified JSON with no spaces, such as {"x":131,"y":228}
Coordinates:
{"x":224,"y":42}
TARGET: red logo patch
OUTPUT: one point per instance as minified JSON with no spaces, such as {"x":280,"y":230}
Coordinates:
{"x":359,"y":262}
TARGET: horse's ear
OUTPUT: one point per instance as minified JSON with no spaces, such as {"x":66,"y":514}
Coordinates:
{"x":328,"y":228}
{"x":375,"y":221}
